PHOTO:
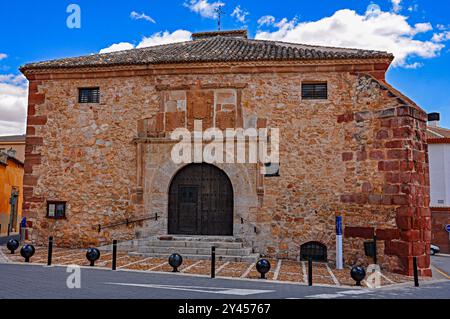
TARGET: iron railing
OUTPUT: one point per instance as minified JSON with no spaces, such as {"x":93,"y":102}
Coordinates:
{"x":127,"y":222}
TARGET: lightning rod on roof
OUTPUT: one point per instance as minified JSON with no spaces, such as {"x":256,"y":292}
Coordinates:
{"x":219,"y":13}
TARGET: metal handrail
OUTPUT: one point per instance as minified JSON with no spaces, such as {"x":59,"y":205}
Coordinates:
{"x":126,"y":222}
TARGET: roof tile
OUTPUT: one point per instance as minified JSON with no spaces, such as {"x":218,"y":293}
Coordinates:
{"x":217,"y":48}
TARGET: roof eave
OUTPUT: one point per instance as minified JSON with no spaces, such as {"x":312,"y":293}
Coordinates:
{"x":29,"y":69}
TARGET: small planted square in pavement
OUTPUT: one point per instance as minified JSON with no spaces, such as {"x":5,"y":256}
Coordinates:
{"x":281,"y":270}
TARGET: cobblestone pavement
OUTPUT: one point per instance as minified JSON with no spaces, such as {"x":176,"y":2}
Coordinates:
{"x":281,"y":271}
{"x":3,"y":258}
{"x":25,"y":281}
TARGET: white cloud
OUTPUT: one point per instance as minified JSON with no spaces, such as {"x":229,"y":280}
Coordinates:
{"x":414,"y":65}
{"x":155,"y":39}
{"x":375,"y":29}
{"x":441,"y":37}
{"x":442,"y":27}
{"x":204,"y":8}
{"x":138,"y":16}
{"x":421,"y":28}
{"x":396,"y":5}
{"x":165,"y":38}
{"x":13,"y":104}
{"x":240,"y":14}
{"x":266,"y":20}
{"x":117,"y":47}
{"x":413,"y":8}
{"x":3,"y":56}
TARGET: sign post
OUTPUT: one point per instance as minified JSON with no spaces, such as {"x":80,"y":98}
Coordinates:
{"x":339,"y":254}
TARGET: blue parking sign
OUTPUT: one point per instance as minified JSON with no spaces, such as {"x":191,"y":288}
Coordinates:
{"x":338,"y":225}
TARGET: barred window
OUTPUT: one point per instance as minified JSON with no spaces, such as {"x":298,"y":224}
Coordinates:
{"x":314,"y":91}
{"x":89,"y":95}
{"x":56,"y":210}
{"x":314,"y":250}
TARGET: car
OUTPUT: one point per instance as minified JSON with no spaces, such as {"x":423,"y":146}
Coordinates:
{"x":435,"y":250}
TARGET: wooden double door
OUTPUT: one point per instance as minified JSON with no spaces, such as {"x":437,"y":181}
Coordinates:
{"x":201,"y":202}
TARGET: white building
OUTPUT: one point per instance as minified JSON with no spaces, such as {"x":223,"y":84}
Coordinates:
{"x":439,"y":156}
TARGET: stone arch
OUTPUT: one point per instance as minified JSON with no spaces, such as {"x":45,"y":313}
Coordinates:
{"x":200,"y":201}
{"x":159,"y":171}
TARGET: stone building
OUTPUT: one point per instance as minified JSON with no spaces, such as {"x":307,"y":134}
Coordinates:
{"x":98,"y":149}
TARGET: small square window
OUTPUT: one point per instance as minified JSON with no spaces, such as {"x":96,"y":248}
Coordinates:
{"x":89,"y":95}
{"x":56,"y":210}
{"x":314,"y":91}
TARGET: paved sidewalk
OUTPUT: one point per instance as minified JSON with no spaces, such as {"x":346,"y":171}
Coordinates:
{"x":281,"y":270}
{"x":35,"y":281}
{"x":3,"y":258}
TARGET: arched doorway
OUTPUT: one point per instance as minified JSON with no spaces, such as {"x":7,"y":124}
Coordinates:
{"x":201,"y":202}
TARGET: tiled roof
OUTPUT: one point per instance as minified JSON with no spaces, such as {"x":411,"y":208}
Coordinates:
{"x":216,"y":48}
{"x":12,"y":139}
{"x":438,"y":132}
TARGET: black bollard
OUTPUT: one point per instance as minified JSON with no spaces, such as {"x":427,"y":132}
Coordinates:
{"x":263,"y":267}
{"x":416,"y":272}
{"x":310,"y":272}
{"x":27,"y":252}
{"x":175,"y":260}
{"x":358,"y":273}
{"x":213,"y":262}
{"x":92,"y":255}
{"x":50,"y":251}
{"x":114,"y":255}
{"x":12,"y":245}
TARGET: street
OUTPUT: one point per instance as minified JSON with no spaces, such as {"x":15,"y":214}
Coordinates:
{"x":442,"y":264}
{"x":33,"y":281}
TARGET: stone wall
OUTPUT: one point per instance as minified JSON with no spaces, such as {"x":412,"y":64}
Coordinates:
{"x":360,"y":153}
{"x":440,"y":217}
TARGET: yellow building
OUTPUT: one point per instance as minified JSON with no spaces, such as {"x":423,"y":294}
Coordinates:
{"x":11,"y":192}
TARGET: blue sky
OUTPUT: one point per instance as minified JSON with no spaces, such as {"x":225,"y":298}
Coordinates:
{"x":416,"y":31}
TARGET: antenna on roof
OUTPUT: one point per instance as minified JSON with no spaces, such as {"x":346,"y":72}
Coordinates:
{"x":219,"y":13}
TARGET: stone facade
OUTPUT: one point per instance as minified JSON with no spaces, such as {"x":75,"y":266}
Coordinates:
{"x":361,"y":153}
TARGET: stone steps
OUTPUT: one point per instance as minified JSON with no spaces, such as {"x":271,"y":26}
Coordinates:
{"x":194,"y":251}
{"x":192,"y":244}
{"x":190,"y":247}
{"x":250,"y":258}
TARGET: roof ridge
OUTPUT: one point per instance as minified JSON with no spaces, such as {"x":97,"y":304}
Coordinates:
{"x":315,"y":45}
{"x":219,"y":48}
